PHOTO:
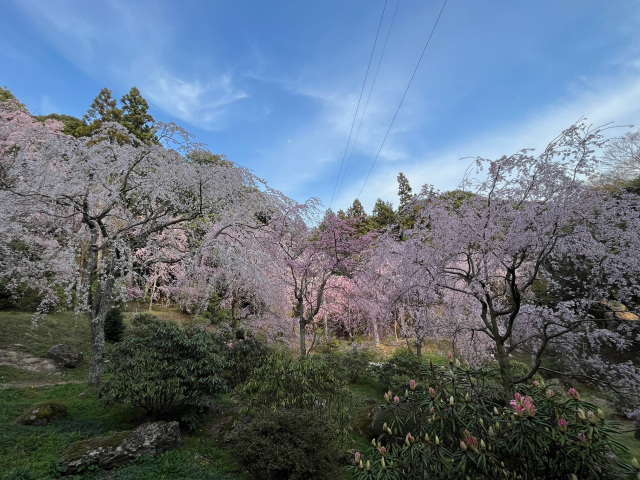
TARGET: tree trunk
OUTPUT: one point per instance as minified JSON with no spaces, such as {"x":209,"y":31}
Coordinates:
{"x":97,"y":317}
{"x":326,"y":328}
{"x":376,"y":335}
{"x":96,"y":360}
{"x":153,"y":287}
{"x":506,"y":374}
{"x":419,"y":347}
{"x":303,"y":338}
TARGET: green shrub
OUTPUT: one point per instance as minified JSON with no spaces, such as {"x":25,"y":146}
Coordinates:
{"x":114,"y":325}
{"x":349,"y":366}
{"x":288,"y":444}
{"x":22,"y":298}
{"x":242,"y":353}
{"x":165,"y":369}
{"x":283,"y":381}
{"x":396,"y":372}
{"x":445,"y":428}
{"x":142,"y":320}
{"x":520,"y":369}
{"x":305,"y":383}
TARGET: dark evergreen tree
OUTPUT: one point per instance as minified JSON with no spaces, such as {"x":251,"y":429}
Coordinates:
{"x":382,"y":215}
{"x":136,"y":116}
{"x":356,"y":211}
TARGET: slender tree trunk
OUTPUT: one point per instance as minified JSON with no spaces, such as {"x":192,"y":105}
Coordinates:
{"x":395,"y":323}
{"x":153,"y":287}
{"x":376,"y":334}
{"x":419,"y":347}
{"x":97,"y":317}
{"x":326,"y":327}
{"x":506,"y":374}
{"x":303,"y":338}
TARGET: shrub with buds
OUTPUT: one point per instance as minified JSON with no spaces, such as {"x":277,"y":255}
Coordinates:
{"x":465,"y":432}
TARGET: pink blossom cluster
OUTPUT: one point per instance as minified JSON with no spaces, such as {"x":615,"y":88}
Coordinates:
{"x":522,"y":405}
{"x":469,"y":441}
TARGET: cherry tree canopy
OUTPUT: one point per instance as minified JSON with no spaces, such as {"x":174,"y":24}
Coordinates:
{"x":113,"y":196}
{"x":504,"y":237}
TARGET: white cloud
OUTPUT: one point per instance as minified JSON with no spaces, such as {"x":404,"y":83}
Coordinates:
{"x":196,"y":102}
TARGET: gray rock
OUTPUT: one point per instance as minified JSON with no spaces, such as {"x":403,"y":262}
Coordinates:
{"x":42,"y":413}
{"x":65,"y":356}
{"x":28,"y":363}
{"x":113,"y":450}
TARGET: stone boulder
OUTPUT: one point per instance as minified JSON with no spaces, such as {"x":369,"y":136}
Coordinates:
{"x":65,"y":356}
{"x":42,"y":413}
{"x":28,"y":363}
{"x":113,"y":450}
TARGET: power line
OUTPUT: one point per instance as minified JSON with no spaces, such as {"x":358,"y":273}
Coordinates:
{"x":403,"y":96}
{"x":358,"y":106}
{"x":366,"y":105}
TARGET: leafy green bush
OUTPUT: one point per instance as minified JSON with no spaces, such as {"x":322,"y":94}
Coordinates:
{"x":349,"y":366}
{"x":305,"y":383}
{"x":396,"y":372}
{"x":445,"y":428}
{"x":288,"y":444}
{"x":283,"y":381}
{"x":242,"y":353}
{"x":168,"y":371}
{"x":114,"y":325}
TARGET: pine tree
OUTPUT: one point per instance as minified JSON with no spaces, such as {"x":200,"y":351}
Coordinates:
{"x":404,"y":191}
{"x":356,"y":212}
{"x":382,"y":215}
{"x":136,"y":118}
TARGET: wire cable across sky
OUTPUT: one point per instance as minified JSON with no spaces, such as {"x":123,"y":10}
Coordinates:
{"x":346,"y":148}
{"x":403,"y":96}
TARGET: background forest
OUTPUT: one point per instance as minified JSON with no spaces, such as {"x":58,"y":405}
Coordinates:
{"x":456,"y":331}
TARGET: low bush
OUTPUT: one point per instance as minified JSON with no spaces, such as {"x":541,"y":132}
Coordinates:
{"x":167,"y":370}
{"x":306,"y":383}
{"x":349,"y":366}
{"x":445,"y":428}
{"x":288,"y":444}
{"x":402,"y":367}
{"x":114,"y":326}
{"x":286,"y":382}
{"x":242,"y":353}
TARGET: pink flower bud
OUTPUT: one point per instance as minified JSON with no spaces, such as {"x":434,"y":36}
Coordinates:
{"x":550,"y":393}
{"x":357,"y":455}
{"x":536,"y":383}
{"x":396,"y":399}
{"x":383,"y":451}
{"x":432,"y":392}
{"x":412,"y":384}
{"x":450,"y":357}
{"x":562,"y":425}
{"x":573,"y":393}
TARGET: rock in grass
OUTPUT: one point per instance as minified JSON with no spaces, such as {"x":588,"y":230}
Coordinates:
{"x":65,"y":356}
{"x":42,"y":413}
{"x":113,"y":450}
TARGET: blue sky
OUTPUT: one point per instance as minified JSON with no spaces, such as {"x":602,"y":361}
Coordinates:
{"x":274,"y":85}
